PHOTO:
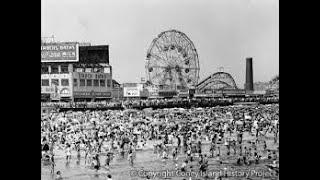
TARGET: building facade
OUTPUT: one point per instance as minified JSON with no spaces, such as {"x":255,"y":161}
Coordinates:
{"x":70,"y":72}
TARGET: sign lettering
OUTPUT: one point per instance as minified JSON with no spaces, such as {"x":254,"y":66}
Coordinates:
{"x":60,"y":52}
{"x":92,"y":76}
{"x":131,"y":91}
{"x":91,"y":94}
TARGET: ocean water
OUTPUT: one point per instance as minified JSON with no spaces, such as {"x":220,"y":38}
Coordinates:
{"x":147,"y":162}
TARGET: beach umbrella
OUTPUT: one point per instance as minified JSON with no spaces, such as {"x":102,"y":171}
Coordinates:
{"x":94,"y":119}
{"x":171,"y":125}
{"x":126,"y":140}
{"x":112,"y":121}
{"x":247,"y":117}
{"x":137,"y":132}
{"x":62,"y":119}
{"x":194,"y":120}
{"x":89,"y":125}
{"x":75,"y":120}
{"x":181,"y":121}
{"x":138,"y":121}
{"x":157,"y":123}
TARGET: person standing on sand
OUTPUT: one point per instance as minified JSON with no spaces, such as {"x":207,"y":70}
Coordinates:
{"x":52,"y":163}
{"x":108,"y":160}
{"x":175,"y":156}
{"x":78,"y":153}
{"x":130,"y":156}
{"x":87,"y":151}
{"x":96,"y":162}
{"x":68,"y":153}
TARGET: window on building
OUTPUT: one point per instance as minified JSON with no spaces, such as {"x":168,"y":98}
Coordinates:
{"x":44,"y":82}
{"x":108,"y":82}
{"x":99,"y":70}
{"x":89,"y":82}
{"x":64,"y":68}
{"x":64,"y":82}
{"x":82,"y":82}
{"x":88,"y":70}
{"x":180,"y":87}
{"x":55,"y":82}
{"x":75,"y":82}
{"x":96,"y":83}
{"x":44,"y":69}
{"x":106,"y":70}
{"x":78,"y":69}
{"x":54,"y":69}
{"x":102,"y":83}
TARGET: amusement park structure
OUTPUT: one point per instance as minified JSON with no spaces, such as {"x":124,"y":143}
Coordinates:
{"x":218,"y":80}
{"x":172,"y":66}
{"x":172,"y":62}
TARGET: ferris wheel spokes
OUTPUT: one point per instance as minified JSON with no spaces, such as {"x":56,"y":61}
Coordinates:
{"x":172,"y":60}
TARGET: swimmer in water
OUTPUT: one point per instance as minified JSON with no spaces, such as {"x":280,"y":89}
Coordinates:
{"x":95,"y":163}
{"x":109,"y":177}
{"x":59,"y":176}
{"x":107,"y":161}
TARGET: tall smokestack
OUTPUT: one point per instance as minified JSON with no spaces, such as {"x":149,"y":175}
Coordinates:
{"x":249,"y":75}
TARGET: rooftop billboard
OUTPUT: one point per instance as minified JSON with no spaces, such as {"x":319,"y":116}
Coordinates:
{"x":60,"y":52}
{"x":94,"y":54}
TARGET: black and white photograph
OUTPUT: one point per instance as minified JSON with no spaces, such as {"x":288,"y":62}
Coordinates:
{"x":159,"y":89}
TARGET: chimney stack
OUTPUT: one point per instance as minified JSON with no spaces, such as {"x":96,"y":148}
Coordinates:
{"x":249,"y":75}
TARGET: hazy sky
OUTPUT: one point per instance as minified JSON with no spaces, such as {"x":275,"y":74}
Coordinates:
{"x":224,"y":32}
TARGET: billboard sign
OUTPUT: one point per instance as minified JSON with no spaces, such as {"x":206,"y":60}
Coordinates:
{"x":65,"y":92}
{"x":60,"y":52}
{"x":94,"y":54}
{"x":131,"y":91}
{"x":92,"y":75}
{"x":55,"y":96}
{"x":85,"y":94}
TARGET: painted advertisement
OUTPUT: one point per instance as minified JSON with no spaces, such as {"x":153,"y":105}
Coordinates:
{"x":60,"y":52}
{"x":92,"y":75}
{"x":131,"y":91}
{"x":65,"y":92}
{"x":92,"y":94}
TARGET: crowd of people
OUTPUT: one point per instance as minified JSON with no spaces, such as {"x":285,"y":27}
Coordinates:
{"x":176,"y":134}
{"x":160,"y":103}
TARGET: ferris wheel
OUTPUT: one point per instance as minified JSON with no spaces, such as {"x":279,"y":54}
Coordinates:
{"x":172,"y":61}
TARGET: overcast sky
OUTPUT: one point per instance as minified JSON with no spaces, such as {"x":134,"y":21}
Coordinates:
{"x":224,"y":32}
